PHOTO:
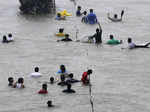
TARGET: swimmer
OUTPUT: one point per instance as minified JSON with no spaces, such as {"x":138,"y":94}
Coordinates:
{"x":59,"y":17}
{"x":71,"y":79}
{"x":36,"y":73}
{"x":97,"y":36}
{"x":60,"y":33}
{"x":92,"y":19}
{"x":10,"y":37}
{"x":68,"y":90}
{"x":66,"y":39}
{"x":44,"y":89}
{"x":85,"y":76}
{"x":84,"y":18}
{"x":132,"y":45}
{"x":112,"y":41}
{"x":62,"y":82}
{"x":78,"y":12}
{"x":5,"y":39}
{"x":11,"y":81}
{"x":49,"y":103}
{"x":115,"y":18}
{"x":19,"y":83}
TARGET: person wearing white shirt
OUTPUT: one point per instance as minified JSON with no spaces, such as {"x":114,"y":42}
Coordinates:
{"x":10,"y":37}
{"x":36,"y":73}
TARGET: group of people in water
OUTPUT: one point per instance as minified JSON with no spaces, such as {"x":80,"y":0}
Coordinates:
{"x":66,"y":79}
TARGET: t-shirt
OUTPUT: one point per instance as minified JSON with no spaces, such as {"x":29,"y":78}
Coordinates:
{"x":131,"y":45}
{"x":92,"y":18}
{"x":36,"y":74}
{"x":84,"y":77}
{"x":10,"y":38}
{"x":113,"y":42}
{"x":43,"y":91}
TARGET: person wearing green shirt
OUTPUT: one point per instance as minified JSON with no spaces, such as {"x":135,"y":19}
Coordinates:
{"x":112,"y":41}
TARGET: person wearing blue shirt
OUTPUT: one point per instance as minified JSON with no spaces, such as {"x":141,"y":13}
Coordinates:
{"x":92,"y":19}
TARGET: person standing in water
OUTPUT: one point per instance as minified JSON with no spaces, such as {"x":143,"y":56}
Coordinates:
{"x":113,"y":41}
{"x":92,"y":19}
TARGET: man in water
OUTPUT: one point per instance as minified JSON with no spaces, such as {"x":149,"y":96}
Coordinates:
{"x":113,"y":41}
{"x":68,"y":90}
{"x":92,"y":19}
{"x":115,"y":18}
{"x":66,"y":39}
{"x":133,"y":45}
{"x":97,"y":36}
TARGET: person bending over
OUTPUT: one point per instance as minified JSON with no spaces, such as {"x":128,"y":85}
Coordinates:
{"x":85,"y":76}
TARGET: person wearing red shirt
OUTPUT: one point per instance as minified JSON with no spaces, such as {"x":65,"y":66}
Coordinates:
{"x":44,"y":89}
{"x":85,"y":78}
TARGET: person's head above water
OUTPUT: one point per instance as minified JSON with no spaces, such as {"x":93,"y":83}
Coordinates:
{"x":20,"y":80}
{"x":58,"y":15}
{"x":89,"y":71}
{"x":115,"y":16}
{"x":79,"y":8}
{"x":9,"y":35}
{"x":49,"y":103}
{"x":36,"y":69}
{"x":10,"y":80}
{"x":51,"y":80}
{"x":129,"y":40}
{"x":71,"y":75}
{"x":62,"y":77}
{"x":44,"y":87}
{"x":61,"y":30}
{"x":66,"y":35}
{"x":84,"y":12}
{"x":111,"y":36}
{"x":97,"y":29}
{"x":91,"y":10}
{"x":62,"y":67}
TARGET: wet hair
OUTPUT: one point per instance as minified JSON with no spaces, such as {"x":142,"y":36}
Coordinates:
{"x":66,"y":35}
{"x":111,"y":36}
{"x":5,"y":38}
{"x":84,"y":12}
{"x":129,"y":40}
{"x":68,"y":86}
{"x":49,"y":103}
{"x":36,"y":69}
{"x":62,"y":77}
{"x":20,"y":80}
{"x":71,"y":75}
{"x":91,"y":10}
{"x":79,"y":7}
{"x":44,"y":86}
{"x":51,"y":80}
{"x":10,"y":80}
{"x":115,"y":16}
{"x":9,"y":35}
{"x":89,"y":71}
{"x":97,"y":29}
{"x":58,"y":14}
{"x":61,"y":30}
{"x":62,"y":67}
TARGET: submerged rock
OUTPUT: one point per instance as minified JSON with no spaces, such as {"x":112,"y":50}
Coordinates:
{"x":37,"y":6}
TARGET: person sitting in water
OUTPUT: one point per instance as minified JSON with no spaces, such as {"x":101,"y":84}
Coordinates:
{"x":5,"y":39}
{"x":36,"y":73}
{"x":133,"y":45}
{"x":49,"y":103}
{"x":59,"y":17}
{"x":112,"y":41}
{"x":71,"y":79}
{"x":11,"y":81}
{"x":85,"y":78}
{"x":62,"y":82}
{"x":78,"y":12}
{"x":44,"y":89}
{"x":92,"y":19}
{"x":68,"y":90}
{"x":97,"y":36}
{"x":66,"y":39}
{"x":10,"y":38}
{"x":19,"y":83}
{"x":115,"y":18}
{"x":84,"y":18}
{"x":61,"y":32}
